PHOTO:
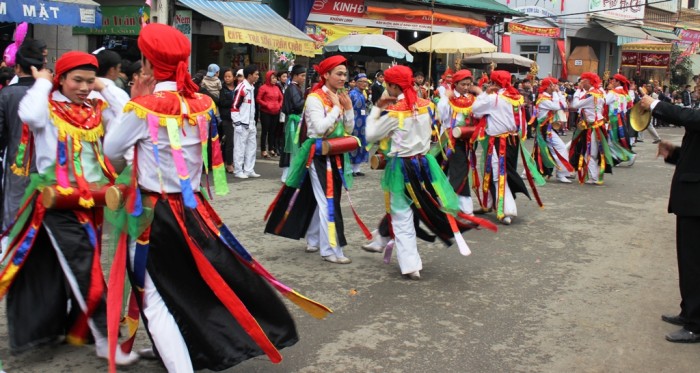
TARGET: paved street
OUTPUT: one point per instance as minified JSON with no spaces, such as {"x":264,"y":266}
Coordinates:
{"x":578,"y":286}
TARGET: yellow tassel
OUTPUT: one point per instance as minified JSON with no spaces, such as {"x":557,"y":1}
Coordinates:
{"x":313,"y":308}
{"x":86,"y":203}
{"x":75,"y":341}
{"x":331,"y":235}
{"x":64,"y":191}
{"x":19,"y":171}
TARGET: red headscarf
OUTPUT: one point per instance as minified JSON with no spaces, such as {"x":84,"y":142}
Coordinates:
{"x":325,"y":66}
{"x":69,"y":61}
{"x":547,"y":82}
{"x":168,"y":50}
{"x":593,"y":77}
{"x":622,"y":79}
{"x":502,"y":78}
{"x":403,"y":77}
{"x":445,"y":74}
{"x":459,"y":76}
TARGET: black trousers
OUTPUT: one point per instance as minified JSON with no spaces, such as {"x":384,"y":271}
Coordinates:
{"x":688,"y":250}
{"x":269,"y":124}
{"x":227,"y":124}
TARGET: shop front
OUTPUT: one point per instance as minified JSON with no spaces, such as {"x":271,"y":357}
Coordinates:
{"x":234,"y":34}
{"x":120,"y":30}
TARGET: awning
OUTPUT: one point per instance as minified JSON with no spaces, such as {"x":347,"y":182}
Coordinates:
{"x":483,"y":6}
{"x":626,"y":31}
{"x":253,"y":23}
{"x":85,"y":13}
{"x":661,"y":34}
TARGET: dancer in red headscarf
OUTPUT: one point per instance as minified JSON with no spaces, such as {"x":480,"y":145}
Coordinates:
{"x":55,"y":242}
{"x":309,"y":202}
{"x":413,"y":181}
{"x":455,"y":111}
{"x":207,"y":303}
{"x":590,"y":153}
{"x":549,"y":150}
{"x":617,"y":102}
{"x":502,"y":105}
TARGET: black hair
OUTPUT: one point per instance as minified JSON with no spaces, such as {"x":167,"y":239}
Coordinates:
{"x":281,"y":72}
{"x":378,"y":73}
{"x":249,"y":70}
{"x":131,"y":68}
{"x":31,"y":53}
{"x":6,"y":74}
{"x":418,"y":73}
{"x":106,"y":60}
{"x":199,"y":76}
{"x":526,"y":80}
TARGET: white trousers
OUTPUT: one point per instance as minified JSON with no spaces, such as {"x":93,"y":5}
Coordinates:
{"x":594,"y":161}
{"x":244,"y":148}
{"x":509,"y":207}
{"x":405,"y":239}
{"x":162,"y":326}
{"x":652,"y":130}
{"x":356,"y":167}
{"x":317,"y":234}
{"x":466,"y":205}
{"x":556,"y":144}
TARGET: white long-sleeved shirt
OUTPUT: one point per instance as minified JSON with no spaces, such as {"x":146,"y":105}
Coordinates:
{"x":590,"y":107}
{"x":499,"y":113}
{"x":557,"y":102}
{"x":412,"y":139}
{"x":34,"y":111}
{"x":616,"y":99}
{"x":130,"y":130}
{"x":321,"y":120}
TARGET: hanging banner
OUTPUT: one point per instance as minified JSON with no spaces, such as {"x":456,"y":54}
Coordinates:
{"x":646,"y":60}
{"x":630,"y":59}
{"x":117,"y":20}
{"x":323,"y":34}
{"x":618,"y":9}
{"x":50,"y":13}
{"x":561,"y":46}
{"x":354,"y":13}
{"x":546,"y":32}
{"x":183,"y":22}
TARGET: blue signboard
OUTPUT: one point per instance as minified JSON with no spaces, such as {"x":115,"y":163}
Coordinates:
{"x":51,"y":13}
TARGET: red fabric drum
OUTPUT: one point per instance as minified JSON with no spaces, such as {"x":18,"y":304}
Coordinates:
{"x":463,"y":133}
{"x":339,"y":145}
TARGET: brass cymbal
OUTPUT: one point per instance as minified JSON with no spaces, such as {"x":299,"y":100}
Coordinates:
{"x":639,"y":118}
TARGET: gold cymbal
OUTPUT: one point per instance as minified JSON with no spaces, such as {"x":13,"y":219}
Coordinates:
{"x":639,"y":118}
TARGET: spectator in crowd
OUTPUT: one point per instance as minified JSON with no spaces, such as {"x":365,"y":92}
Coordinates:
{"x":133,"y":74}
{"x":245,"y":132}
{"x":225,"y":102}
{"x":211,"y":84}
{"x":687,"y":96}
{"x":269,"y":100}
{"x":378,"y":86}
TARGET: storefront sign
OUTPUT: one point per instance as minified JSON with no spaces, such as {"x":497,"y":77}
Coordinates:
{"x":535,"y":11}
{"x":269,"y":41}
{"x":391,"y":33}
{"x":353,"y":12}
{"x":50,"y":13}
{"x":618,"y":9}
{"x":646,"y":60}
{"x":323,"y":34}
{"x":183,"y":22}
{"x":546,"y":32}
{"x":117,"y":20}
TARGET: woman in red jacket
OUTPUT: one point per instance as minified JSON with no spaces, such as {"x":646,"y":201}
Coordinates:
{"x":270,"y":101}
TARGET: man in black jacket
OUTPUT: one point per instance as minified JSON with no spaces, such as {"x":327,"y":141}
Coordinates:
{"x":684,"y":201}
{"x":30,"y":53}
{"x":377,"y":88}
{"x":292,"y":107}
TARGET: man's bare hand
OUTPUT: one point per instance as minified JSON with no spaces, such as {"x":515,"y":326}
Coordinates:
{"x":43,"y":74}
{"x":345,"y":101}
{"x":646,"y":102}
{"x":143,"y":86}
{"x":665,"y":149}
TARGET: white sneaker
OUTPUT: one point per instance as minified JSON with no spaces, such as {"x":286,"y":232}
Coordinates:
{"x":334,"y":259}
{"x":311,"y":249}
{"x":414,"y":275}
{"x":120,"y":358}
{"x":377,"y":244}
{"x":594,"y":182}
{"x":506,"y":220}
{"x":252,"y":174}
{"x":240,"y":176}
{"x":563,"y":179}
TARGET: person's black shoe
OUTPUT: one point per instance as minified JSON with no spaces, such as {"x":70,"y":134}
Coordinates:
{"x":674,"y":319}
{"x":683,"y":336}
{"x":359,"y":174}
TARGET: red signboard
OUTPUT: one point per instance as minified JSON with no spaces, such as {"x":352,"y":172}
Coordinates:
{"x":354,"y":12}
{"x":546,"y":32}
{"x":646,"y":59}
{"x":691,"y":36}
{"x":630,"y":58}
{"x":391,"y":33}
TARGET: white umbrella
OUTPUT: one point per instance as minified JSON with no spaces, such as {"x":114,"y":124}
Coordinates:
{"x":373,"y":45}
{"x":504,"y":61}
{"x":453,"y":42}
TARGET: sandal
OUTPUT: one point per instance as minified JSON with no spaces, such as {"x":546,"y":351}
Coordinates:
{"x":264,"y":154}
{"x":229,"y":169}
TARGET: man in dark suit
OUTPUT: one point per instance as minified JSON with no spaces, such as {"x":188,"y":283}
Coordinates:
{"x":687,"y":97}
{"x":684,"y":201}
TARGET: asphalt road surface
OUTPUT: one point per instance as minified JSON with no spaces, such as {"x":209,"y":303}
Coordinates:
{"x":578,"y":286}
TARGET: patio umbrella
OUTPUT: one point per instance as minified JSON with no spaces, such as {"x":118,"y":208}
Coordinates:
{"x":369,"y":45}
{"x":453,"y":42}
{"x":504,"y":61}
